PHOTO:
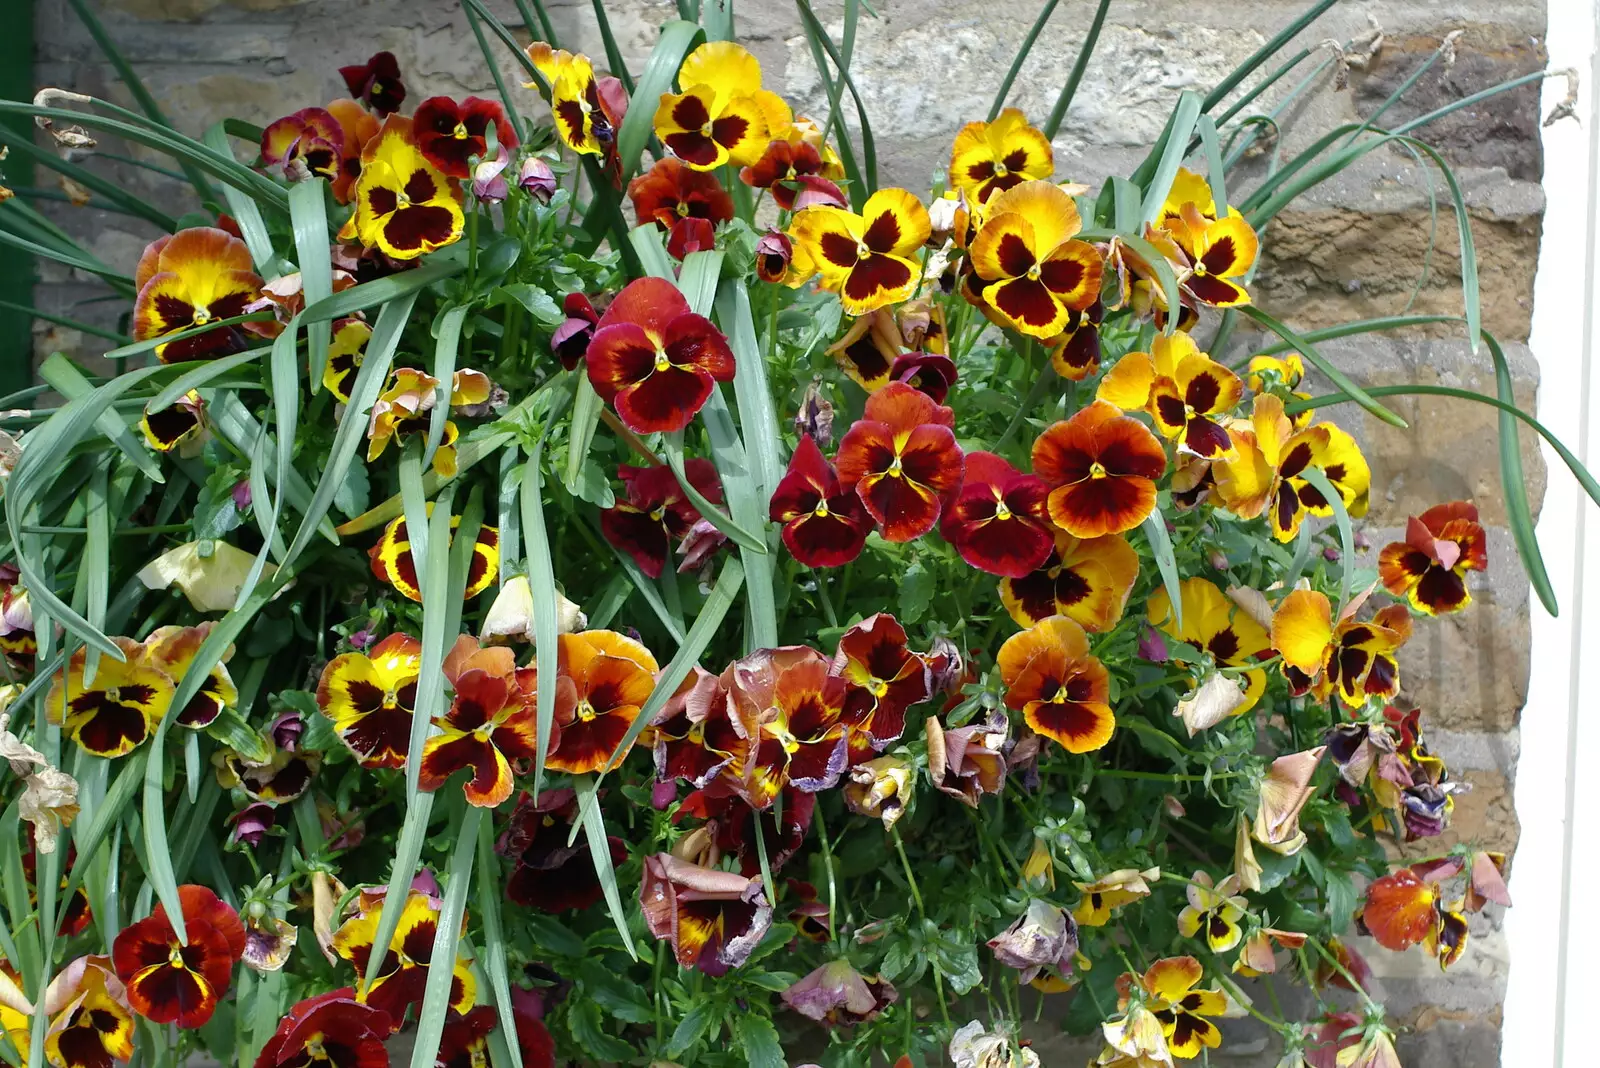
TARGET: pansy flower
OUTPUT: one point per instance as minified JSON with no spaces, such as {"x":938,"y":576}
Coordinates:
{"x":671,"y":192}
{"x":866,"y":258}
{"x":179,"y":423}
{"x":869,"y":348}
{"x":1031,"y":268}
{"x":169,"y":981}
{"x":392,"y":562}
{"x":998,"y":520}
{"x":1044,"y":936}
{"x":1183,"y":389}
{"x":1112,"y":891}
{"x":587,"y":110}
{"x":77,"y":914}
{"x":789,"y":170}
{"x":307,"y":144}
{"x":1075,"y":352}
{"x":403,"y":973}
{"x":282,"y":777}
{"x":1448,"y":937}
{"x":17,"y":641}
{"x":464,"y":1042}
{"x":1400,"y":909}
{"x":712,"y":919}
{"x":991,"y":157}
{"x":790,"y":711}
{"x":932,"y":373}
{"x":1215,"y":624}
{"x":1358,"y":659}
{"x":1102,"y":467}
{"x":356,"y":128}
{"x":884,"y":679}
{"x":880,"y":789}
{"x":1267,"y":470}
{"x":1060,"y":689}
{"x":406,"y":408}
{"x":451,"y":134}
{"x":1085,"y":579}
{"x":196,"y":276}
{"x":968,"y":762}
{"x":1183,"y":1010}
{"x":722,"y":114}
{"x":655,"y":513}
{"x":824,"y":524}
{"x":774,"y":253}
{"x":490,"y":723}
{"x":1430,"y":567}
{"x":172,"y":649}
{"x":346,"y":350}
{"x":376,"y":83}
{"x":1218,"y":253}
{"x":549,"y":871}
{"x":837,"y":995}
{"x":695,"y":737}
{"x":735,"y":824}
{"x":1285,"y":789}
{"x":91,"y":1024}
{"x":405,"y":206}
{"x":901,"y":458}
{"x":571,"y":339}
{"x":333,"y":1028}
{"x":1218,"y":909}
{"x":119,"y":710}
{"x":605,"y":678}
{"x":656,"y":360}
{"x":370,"y":696}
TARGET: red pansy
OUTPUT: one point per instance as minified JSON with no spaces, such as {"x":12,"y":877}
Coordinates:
{"x":571,"y":339}
{"x":655,"y":513}
{"x":782,"y":169}
{"x":670,"y":192}
{"x":551,"y":872}
{"x":450,"y":134}
{"x":999,"y":521}
{"x":654,"y":359}
{"x":306,"y":144}
{"x":334,"y":1029}
{"x":691,"y":235}
{"x":824,"y":524}
{"x":884,"y":679}
{"x":901,"y":458}
{"x":694,"y":737}
{"x":932,"y":373}
{"x":169,"y":981}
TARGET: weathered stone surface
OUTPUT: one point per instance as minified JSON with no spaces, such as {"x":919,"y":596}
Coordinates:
{"x":1458,"y":1039}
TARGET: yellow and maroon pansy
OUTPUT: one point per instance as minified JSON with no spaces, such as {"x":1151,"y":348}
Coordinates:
{"x":605,"y":679}
{"x":790,"y":711}
{"x":1085,"y":579}
{"x":1356,"y":658}
{"x":1181,"y":1009}
{"x":824,"y":524}
{"x":345,"y":353}
{"x":1182,"y":388}
{"x":1214,"y":624}
{"x":1060,"y":689}
{"x":722,"y":114}
{"x":370,"y":696}
{"x":91,"y":1024}
{"x":901,"y":458}
{"x":451,"y":135}
{"x":1218,"y":251}
{"x":1188,"y":187}
{"x":357,"y":126}
{"x":405,"y":206}
{"x":713,"y":919}
{"x":392,"y":562}
{"x":1266,"y":471}
{"x":869,"y":348}
{"x":172,"y":981}
{"x":406,"y":408}
{"x":179,"y":423}
{"x":584,"y":118}
{"x":306,"y":144}
{"x":694,"y":735}
{"x":1031,"y":268}
{"x":883,"y":679}
{"x":196,"y":276}
{"x":1102,"y":466}
{"x":172,"y":649}
{"x":866,"y":258}
{"x":1430,"y":567}
{"x":1215,"y":909}
{"x":998,"y":520}
{"x":116,"y":713}
{"x":403,"y":972}
{"x":283,"y":777}
{"x":991,"y":157}
{"x":1448,"y":936}
{"x":654,"y":359}
{"x":1112,"y":891}
{"x":1075,"y":352}
{"x":490,"y":723}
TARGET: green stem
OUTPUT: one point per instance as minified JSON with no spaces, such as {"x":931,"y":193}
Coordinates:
{"x":916,"y":896}
{"x":827,"y":863}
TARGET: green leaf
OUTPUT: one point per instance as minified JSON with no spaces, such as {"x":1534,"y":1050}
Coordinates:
{"x":1216,"y":173}
{"x":1172,"y":157}
{"x":818,"y":36}
{"x":583,"y":1020}
{"x":1265,"y":52}
{"x":1162,"y":269}
{"x":695,"y":1025}
{"x":494,"y":939}
{"x":381,"y":291}
{"x":158,"y":854}
{"x":614,"y":992}
{"x":1347,"y":541}
{"x":541,"y":305}
{"x":1155,"y":529}
{"x":446,"y":937}
{"x":751,"y":391}
{"x":87,"y":838}
{"x":244,"y":210}
{"x":1022,"y":54}
{"x":65,"y":378}
{"x":1069,"y":89}
{"x":308,"y":216}
{"x":759,"y":1040}
{"x":1514,"y":484}
{"x":413,"y":829}
{"x":672,"y":448}
{"x":916,"y":592}
{"x":594,"y":828}
{"x":586,"y":405}
{"x":1336,"y":376}
{"x":677,"y":39}
{"x":447,"y":335}
{"x":202,"y":374}
{"x":116,"y":194}
{"x":231,"y":729}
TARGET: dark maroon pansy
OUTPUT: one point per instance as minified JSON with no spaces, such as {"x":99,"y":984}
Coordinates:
{"x":376,"y":83}
{"x":824,"y":525}
{"x":999,"y":520}
{"x":451,"y":134}
{"x":550,"y":874}
{"x":331,"y":1030}
{"x":571,"y":339}
{"x":655,"y":514}
{"x":931,"y":372}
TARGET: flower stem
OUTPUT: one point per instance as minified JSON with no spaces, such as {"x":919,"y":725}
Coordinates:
{"x":916,"y":896}
{"x":827,"y":862}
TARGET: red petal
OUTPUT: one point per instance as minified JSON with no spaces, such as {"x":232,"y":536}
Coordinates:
{"x":650,"y":303}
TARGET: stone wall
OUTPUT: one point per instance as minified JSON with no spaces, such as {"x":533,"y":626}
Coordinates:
{"x":1353,"y":249}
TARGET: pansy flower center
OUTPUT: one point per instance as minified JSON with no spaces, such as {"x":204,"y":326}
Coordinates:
{"x":460,"y":132}
{"x":586,"y":711}
{"x":314,"y":1048}
{"x":662,"y":363}
{"x":1097,"y":470}
{"x":202,"y":316}
{"x":1188,"y":411}
{"x":658,"y":513}
{"x":705,"y":130}
{"x":391,"y":699}
{"x":1000,"y":169}
{"x":877,"y":687}
{"x":895,"y":468}
{"x":1033,"y":273}
{"x":175,"y":956}
{"x":821,"y":511}
{"x":1001,"y":511}
{"x":683,"y":209}
{"x":862,"y":251}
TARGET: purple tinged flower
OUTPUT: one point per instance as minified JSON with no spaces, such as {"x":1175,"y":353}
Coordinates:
{"x":362,"y":640}
{"x":286,"y":730}
{"x":536,"y":178}
{"x":251,"y":823}
{"x":837,"y":995}
{"x":1152,"y":646}
{"x":699,"y":542}
{"x":487,"y":183}
{"x":663,"y":794}
{"x":1425,"y":810}
{"x":268,"y":940}
{"x":1043,"y":937}
{"x":241,"y":495}
{"x":1330,"y":554}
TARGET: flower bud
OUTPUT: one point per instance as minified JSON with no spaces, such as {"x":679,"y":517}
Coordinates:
{"x":774,"y":250}
{"x":536,"y":179}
